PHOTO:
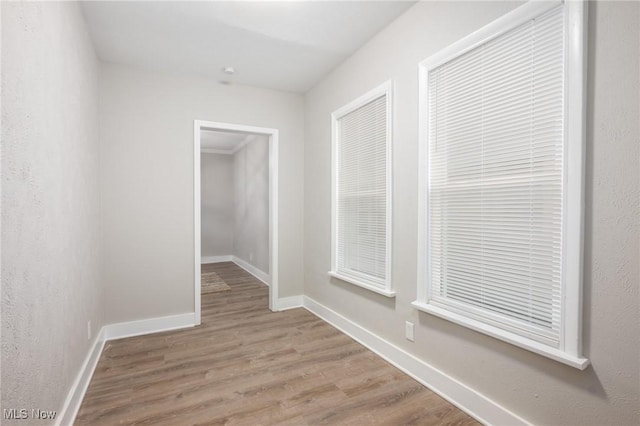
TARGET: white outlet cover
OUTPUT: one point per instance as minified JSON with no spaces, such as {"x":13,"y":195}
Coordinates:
{"x":409,"y":331}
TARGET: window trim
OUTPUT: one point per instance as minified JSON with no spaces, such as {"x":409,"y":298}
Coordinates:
{"x":384,"y":89}
{"x":570,"y":350}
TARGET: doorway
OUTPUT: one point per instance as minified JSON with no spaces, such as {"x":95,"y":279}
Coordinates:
{"x":236,"y":139}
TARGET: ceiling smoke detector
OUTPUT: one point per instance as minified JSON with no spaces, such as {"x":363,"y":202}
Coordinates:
{"x":229,"y":70}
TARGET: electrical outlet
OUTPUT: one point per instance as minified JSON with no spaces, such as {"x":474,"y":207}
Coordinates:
{"x":88,"y":330}
{"x":409,"y":331}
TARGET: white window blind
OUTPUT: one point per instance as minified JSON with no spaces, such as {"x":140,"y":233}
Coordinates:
{"x":496,"y":142}
{"x":361,"y":191}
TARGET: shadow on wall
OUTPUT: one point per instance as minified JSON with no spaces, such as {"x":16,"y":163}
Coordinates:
{"x":251,"y":187}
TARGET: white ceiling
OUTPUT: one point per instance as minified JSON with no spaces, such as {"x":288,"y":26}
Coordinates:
{"x":218,"y":142}
{"x":287,"y":45}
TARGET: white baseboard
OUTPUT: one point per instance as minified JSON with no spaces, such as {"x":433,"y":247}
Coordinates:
{"x":215,"y":259}
{"x":468,"y":400}
{"x":291,"y":302}
{"x":148,"y":326}
{"x":261,"y":275}
{"x":67,"y":415}
{"x":472,"y":402}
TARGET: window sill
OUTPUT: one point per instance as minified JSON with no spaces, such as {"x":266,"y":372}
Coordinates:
{"x":530,"y":345}
{"x":362,"y":284}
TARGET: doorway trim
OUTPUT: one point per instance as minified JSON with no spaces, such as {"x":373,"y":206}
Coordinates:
{"x":199,"y":125}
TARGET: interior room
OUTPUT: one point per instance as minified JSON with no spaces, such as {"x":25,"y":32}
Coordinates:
{"x":234,"y":201}
{"x":320,"y":212}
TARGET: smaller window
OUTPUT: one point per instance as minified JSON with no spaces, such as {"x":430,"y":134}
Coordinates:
{"x":361,"y":204}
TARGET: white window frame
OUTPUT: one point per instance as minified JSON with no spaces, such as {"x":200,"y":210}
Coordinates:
{"x":385,"y":89}
{"x":570,"y":349}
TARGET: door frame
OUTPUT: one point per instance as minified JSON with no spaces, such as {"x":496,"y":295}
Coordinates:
{"x":199,"y":125}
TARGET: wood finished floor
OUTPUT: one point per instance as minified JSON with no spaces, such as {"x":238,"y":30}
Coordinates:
{"x":246,"y":365}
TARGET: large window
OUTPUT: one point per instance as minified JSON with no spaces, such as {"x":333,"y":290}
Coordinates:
{"x":361,"y":217}
{"x":501,"y":193}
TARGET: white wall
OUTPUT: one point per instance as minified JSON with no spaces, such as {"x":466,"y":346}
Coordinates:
{"x":147,"y":200}
{"x":217,"y":204}
{"x":251,"y":188}
{"x":50,"y":216}
{"x":542,"y":391}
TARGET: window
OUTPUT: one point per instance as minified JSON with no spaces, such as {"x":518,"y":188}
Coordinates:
{"x":501,"y":169}
{"x":361,"y":216}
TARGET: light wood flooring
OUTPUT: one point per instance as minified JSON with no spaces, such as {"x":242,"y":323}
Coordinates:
{"x":246,"y":365}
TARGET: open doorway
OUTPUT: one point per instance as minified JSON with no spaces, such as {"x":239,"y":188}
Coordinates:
{"x":235,"y":210}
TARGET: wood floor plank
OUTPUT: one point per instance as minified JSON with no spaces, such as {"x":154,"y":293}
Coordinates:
{"x":246,"y":365}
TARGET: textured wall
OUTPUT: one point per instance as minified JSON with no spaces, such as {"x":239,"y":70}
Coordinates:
{"x":251,"y":188}
{"x":216,"y":204}
{"x":541,"y":390}
{"x":50,"y":215}
{"x":147,"y":200}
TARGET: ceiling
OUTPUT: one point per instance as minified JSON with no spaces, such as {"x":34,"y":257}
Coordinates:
{"x":226,"y":142}
{"x":285,"y":45}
